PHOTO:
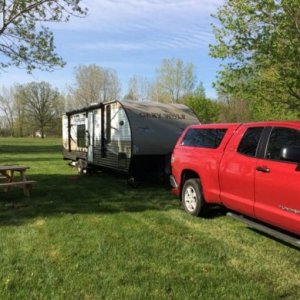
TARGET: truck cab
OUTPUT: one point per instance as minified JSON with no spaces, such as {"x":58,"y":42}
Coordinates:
{"x":252,"y":169}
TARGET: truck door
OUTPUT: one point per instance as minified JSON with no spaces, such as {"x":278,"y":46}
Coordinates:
{"x":237,"y":170}
{"x":90,"y":136}
{"x":277,"y":182}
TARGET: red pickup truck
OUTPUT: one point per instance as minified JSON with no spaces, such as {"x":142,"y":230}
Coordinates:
{"x":252,"y":169}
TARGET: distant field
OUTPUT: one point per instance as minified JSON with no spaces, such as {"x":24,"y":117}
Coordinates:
{"x":94,"y":237}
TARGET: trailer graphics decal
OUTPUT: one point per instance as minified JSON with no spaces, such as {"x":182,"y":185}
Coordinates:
{"x":162,"y":116}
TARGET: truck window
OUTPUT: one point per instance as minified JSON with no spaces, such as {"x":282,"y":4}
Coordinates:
{"x":81,"y":142}
{"x":206,"y":138}
{"x":282,"y":137}
{"x":249,"y":142}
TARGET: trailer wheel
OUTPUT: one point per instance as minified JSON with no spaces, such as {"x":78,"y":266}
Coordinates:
{"x":81,"y":166}
{"x":192,"y":197}
{"x":133,"y":182}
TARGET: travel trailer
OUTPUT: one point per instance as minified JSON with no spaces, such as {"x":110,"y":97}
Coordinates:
{"x":132,"y":137}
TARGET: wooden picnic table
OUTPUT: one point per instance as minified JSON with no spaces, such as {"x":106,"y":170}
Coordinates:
{"x":8,"y":178}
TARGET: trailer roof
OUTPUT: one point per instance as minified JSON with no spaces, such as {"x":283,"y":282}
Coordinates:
{"x":127,"y":104}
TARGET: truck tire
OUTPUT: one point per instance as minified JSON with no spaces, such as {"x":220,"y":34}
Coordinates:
{"x":192,"y":197}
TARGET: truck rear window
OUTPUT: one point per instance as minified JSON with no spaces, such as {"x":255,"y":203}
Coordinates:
{"x":202,"y":137}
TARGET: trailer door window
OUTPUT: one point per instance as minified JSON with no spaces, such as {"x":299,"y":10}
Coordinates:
{"x":81,"y":136}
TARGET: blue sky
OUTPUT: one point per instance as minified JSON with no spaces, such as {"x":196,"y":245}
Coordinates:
{"x":132,"y":37}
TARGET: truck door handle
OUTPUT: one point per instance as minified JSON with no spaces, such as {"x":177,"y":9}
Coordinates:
{"x":263,"y":169}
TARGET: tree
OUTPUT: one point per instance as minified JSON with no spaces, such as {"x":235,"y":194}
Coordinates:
{"x":41,"y":104}
{"x":6,"y":106}
{"x":234,"y":110}
{"x":138,"y":88}
{"x":26,"y":43}
{"x":176,"y":79}
{"x":19,"y":110}
{"x":261,"y":41}
{"x":132,"y":93}
{"x":94,"y":84}
{"x":206,"y":110}
{"x":154,"y":93}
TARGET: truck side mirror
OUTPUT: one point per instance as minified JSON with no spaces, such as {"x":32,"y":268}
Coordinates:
{"x":290,"y":153}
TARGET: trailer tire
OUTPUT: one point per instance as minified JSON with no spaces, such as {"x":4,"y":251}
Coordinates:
{"x":192,"y":197}
{"x":132,"y":182}
{"x":82,"y":166}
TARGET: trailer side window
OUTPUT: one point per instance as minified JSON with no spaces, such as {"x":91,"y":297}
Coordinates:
{"x":81,"y":135}
{"x":108,"y":125}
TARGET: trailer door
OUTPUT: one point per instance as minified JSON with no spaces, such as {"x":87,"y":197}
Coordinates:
{"x":90,"y":136}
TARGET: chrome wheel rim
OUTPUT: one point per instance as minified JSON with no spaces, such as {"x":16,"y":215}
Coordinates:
{"x":190,"y":198}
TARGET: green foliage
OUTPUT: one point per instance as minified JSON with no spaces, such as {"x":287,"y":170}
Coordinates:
{"x":93,"y":237}
{"x":206,"y":110}
{"x":268,"y":111}
{"x":234,"y":110}
{"x":23,"y":41}
{"x":260,"y":41}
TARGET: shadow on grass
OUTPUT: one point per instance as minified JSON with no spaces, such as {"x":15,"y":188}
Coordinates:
{"x":215,"y":211}
{"x":278,"y":240}
{"x":71,"y":194}
{"x":25,"y":160}
{"x":30,"y":148}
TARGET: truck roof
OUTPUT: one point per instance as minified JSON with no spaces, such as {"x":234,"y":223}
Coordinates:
{"x":236,"y":125}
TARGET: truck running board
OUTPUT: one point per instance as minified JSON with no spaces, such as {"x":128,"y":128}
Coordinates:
{"x":270,"y":231}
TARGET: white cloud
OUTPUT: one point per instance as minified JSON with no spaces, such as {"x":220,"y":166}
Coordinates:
{"x":126,"y":46}
{"x":131,"y":36}
{"x":181,"y":40}
{"x":108,"y":15}
{"x":145,"y":24}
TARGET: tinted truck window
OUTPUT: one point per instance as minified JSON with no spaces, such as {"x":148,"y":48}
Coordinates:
{"x":249,"y":142}
{"x":280,"y":138}
{"x":206,"y":138}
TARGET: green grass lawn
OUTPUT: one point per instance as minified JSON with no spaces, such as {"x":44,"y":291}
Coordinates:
{"x":93,"y":237}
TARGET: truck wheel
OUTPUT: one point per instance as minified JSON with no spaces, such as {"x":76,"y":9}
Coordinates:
{"x":192,"y":197}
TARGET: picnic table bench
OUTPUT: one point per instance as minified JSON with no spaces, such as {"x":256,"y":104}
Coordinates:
{"x":10,"y":180}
